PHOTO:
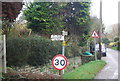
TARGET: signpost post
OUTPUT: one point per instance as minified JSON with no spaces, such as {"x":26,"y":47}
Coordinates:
{"x":63,"y":45}
{"x":95,"y":35}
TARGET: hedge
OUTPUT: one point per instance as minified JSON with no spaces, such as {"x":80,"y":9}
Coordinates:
{"x":33,"y":50}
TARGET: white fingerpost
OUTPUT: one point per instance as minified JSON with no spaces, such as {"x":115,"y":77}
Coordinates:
{"x":63,"y":45}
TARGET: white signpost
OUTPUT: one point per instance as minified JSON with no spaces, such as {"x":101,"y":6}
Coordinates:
{"x":95,"y":35}
{"x":60,"y":38}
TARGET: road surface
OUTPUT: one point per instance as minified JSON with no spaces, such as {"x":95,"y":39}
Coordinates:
{"x":110,"y":71}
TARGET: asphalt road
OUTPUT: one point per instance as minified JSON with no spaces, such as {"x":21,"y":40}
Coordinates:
{"x":110,"y":71}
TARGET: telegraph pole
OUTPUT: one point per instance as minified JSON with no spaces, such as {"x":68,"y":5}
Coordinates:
{"x":100,"y":31}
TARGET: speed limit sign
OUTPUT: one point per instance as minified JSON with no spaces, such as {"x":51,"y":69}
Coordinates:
{"x":59,"y":62}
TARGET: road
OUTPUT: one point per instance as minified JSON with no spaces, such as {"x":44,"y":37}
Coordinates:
{"x":110,"y":71}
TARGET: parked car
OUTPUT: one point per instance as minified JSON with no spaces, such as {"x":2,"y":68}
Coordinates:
{"x":103,"y":49}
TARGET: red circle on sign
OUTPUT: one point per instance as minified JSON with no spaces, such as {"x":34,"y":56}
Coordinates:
{"x":62,"y":57}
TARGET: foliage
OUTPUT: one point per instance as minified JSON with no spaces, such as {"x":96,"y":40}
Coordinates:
{"x":116,"y":47}
{"x":19,"y":30}
{"x":43,"y":17}
{"x":119,"y":45}
{"x":6,"y":27}
{"x":54,"y":17}
{"x":33,"y":50}
{"x":84,"y":39}
{"x":106,"y":40}
{"x":10,"y":10}
{"x":8,"y":14}
{"x":86,"y":71}
{"x":76,"y":17}
{"x":116,"y":39}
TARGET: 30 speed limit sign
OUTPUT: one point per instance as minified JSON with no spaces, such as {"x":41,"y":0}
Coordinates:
{"x":59,"y":62}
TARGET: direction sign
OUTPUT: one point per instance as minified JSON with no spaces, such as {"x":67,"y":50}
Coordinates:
{"x":59,"y":62}
{"x":64,"y":33}
{"x":57,"y":37}
{"x":94,"y":34}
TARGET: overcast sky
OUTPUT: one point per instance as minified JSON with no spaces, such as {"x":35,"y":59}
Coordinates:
{"x":109,"y":11}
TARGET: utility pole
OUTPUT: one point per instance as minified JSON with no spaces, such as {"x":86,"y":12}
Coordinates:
{"x":100,"y":31}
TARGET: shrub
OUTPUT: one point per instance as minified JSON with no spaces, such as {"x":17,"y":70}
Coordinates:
{"x":106,"y":40}
{"x":116,"y":39}
{"x":33,"y":50}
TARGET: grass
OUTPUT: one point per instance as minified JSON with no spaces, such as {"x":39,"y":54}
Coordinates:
{"x":86,"y":71}
{"x":114,"y":48}
{"x":0,"y":37}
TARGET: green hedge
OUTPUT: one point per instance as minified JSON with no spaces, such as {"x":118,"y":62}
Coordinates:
{"x":33,"y":50}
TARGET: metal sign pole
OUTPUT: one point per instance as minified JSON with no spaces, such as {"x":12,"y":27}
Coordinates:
{"x":95,"y":49}
{"x":63,"y":53}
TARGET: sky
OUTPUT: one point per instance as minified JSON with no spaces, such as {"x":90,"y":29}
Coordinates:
{"x":109,"y":11}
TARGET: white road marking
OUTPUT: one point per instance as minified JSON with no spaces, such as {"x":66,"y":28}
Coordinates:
{"x":107,"y":68}
{"x":115,"y":75}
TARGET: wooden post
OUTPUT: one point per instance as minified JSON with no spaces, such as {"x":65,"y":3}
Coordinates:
{"x":60,"y":72}
{"x":100,"y":31}
{"x":4,"y":54}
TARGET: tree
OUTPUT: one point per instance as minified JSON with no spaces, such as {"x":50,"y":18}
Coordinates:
{"x":50,"y":17}
{"x":95,"y":24}
{"x":113,"y":31}
{"x":106,"y":40}
{"x":43,"y":17}
{"x":9,"y":12}
{"x":76,"y":17}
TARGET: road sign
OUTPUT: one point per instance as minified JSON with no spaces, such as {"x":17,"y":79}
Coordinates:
{"x":57,"y":37}
{"x":63,"y":43}
{"x":64,"y":33}
{"x":94,"y":34}
{"x":59,"y":62}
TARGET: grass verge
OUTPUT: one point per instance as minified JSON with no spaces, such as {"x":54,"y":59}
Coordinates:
{"x":114,"y":48}
{"x":86,"y":71}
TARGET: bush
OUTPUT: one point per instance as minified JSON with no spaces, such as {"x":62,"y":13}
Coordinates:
{"x":118,"y":46}
{"x":106,"y":40}
{"x":116,"y":39}
{"x":33,"y":50}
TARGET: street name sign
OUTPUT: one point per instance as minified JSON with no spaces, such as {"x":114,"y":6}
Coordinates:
{"x":59,"y":62}
{"x":94,"y":34}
